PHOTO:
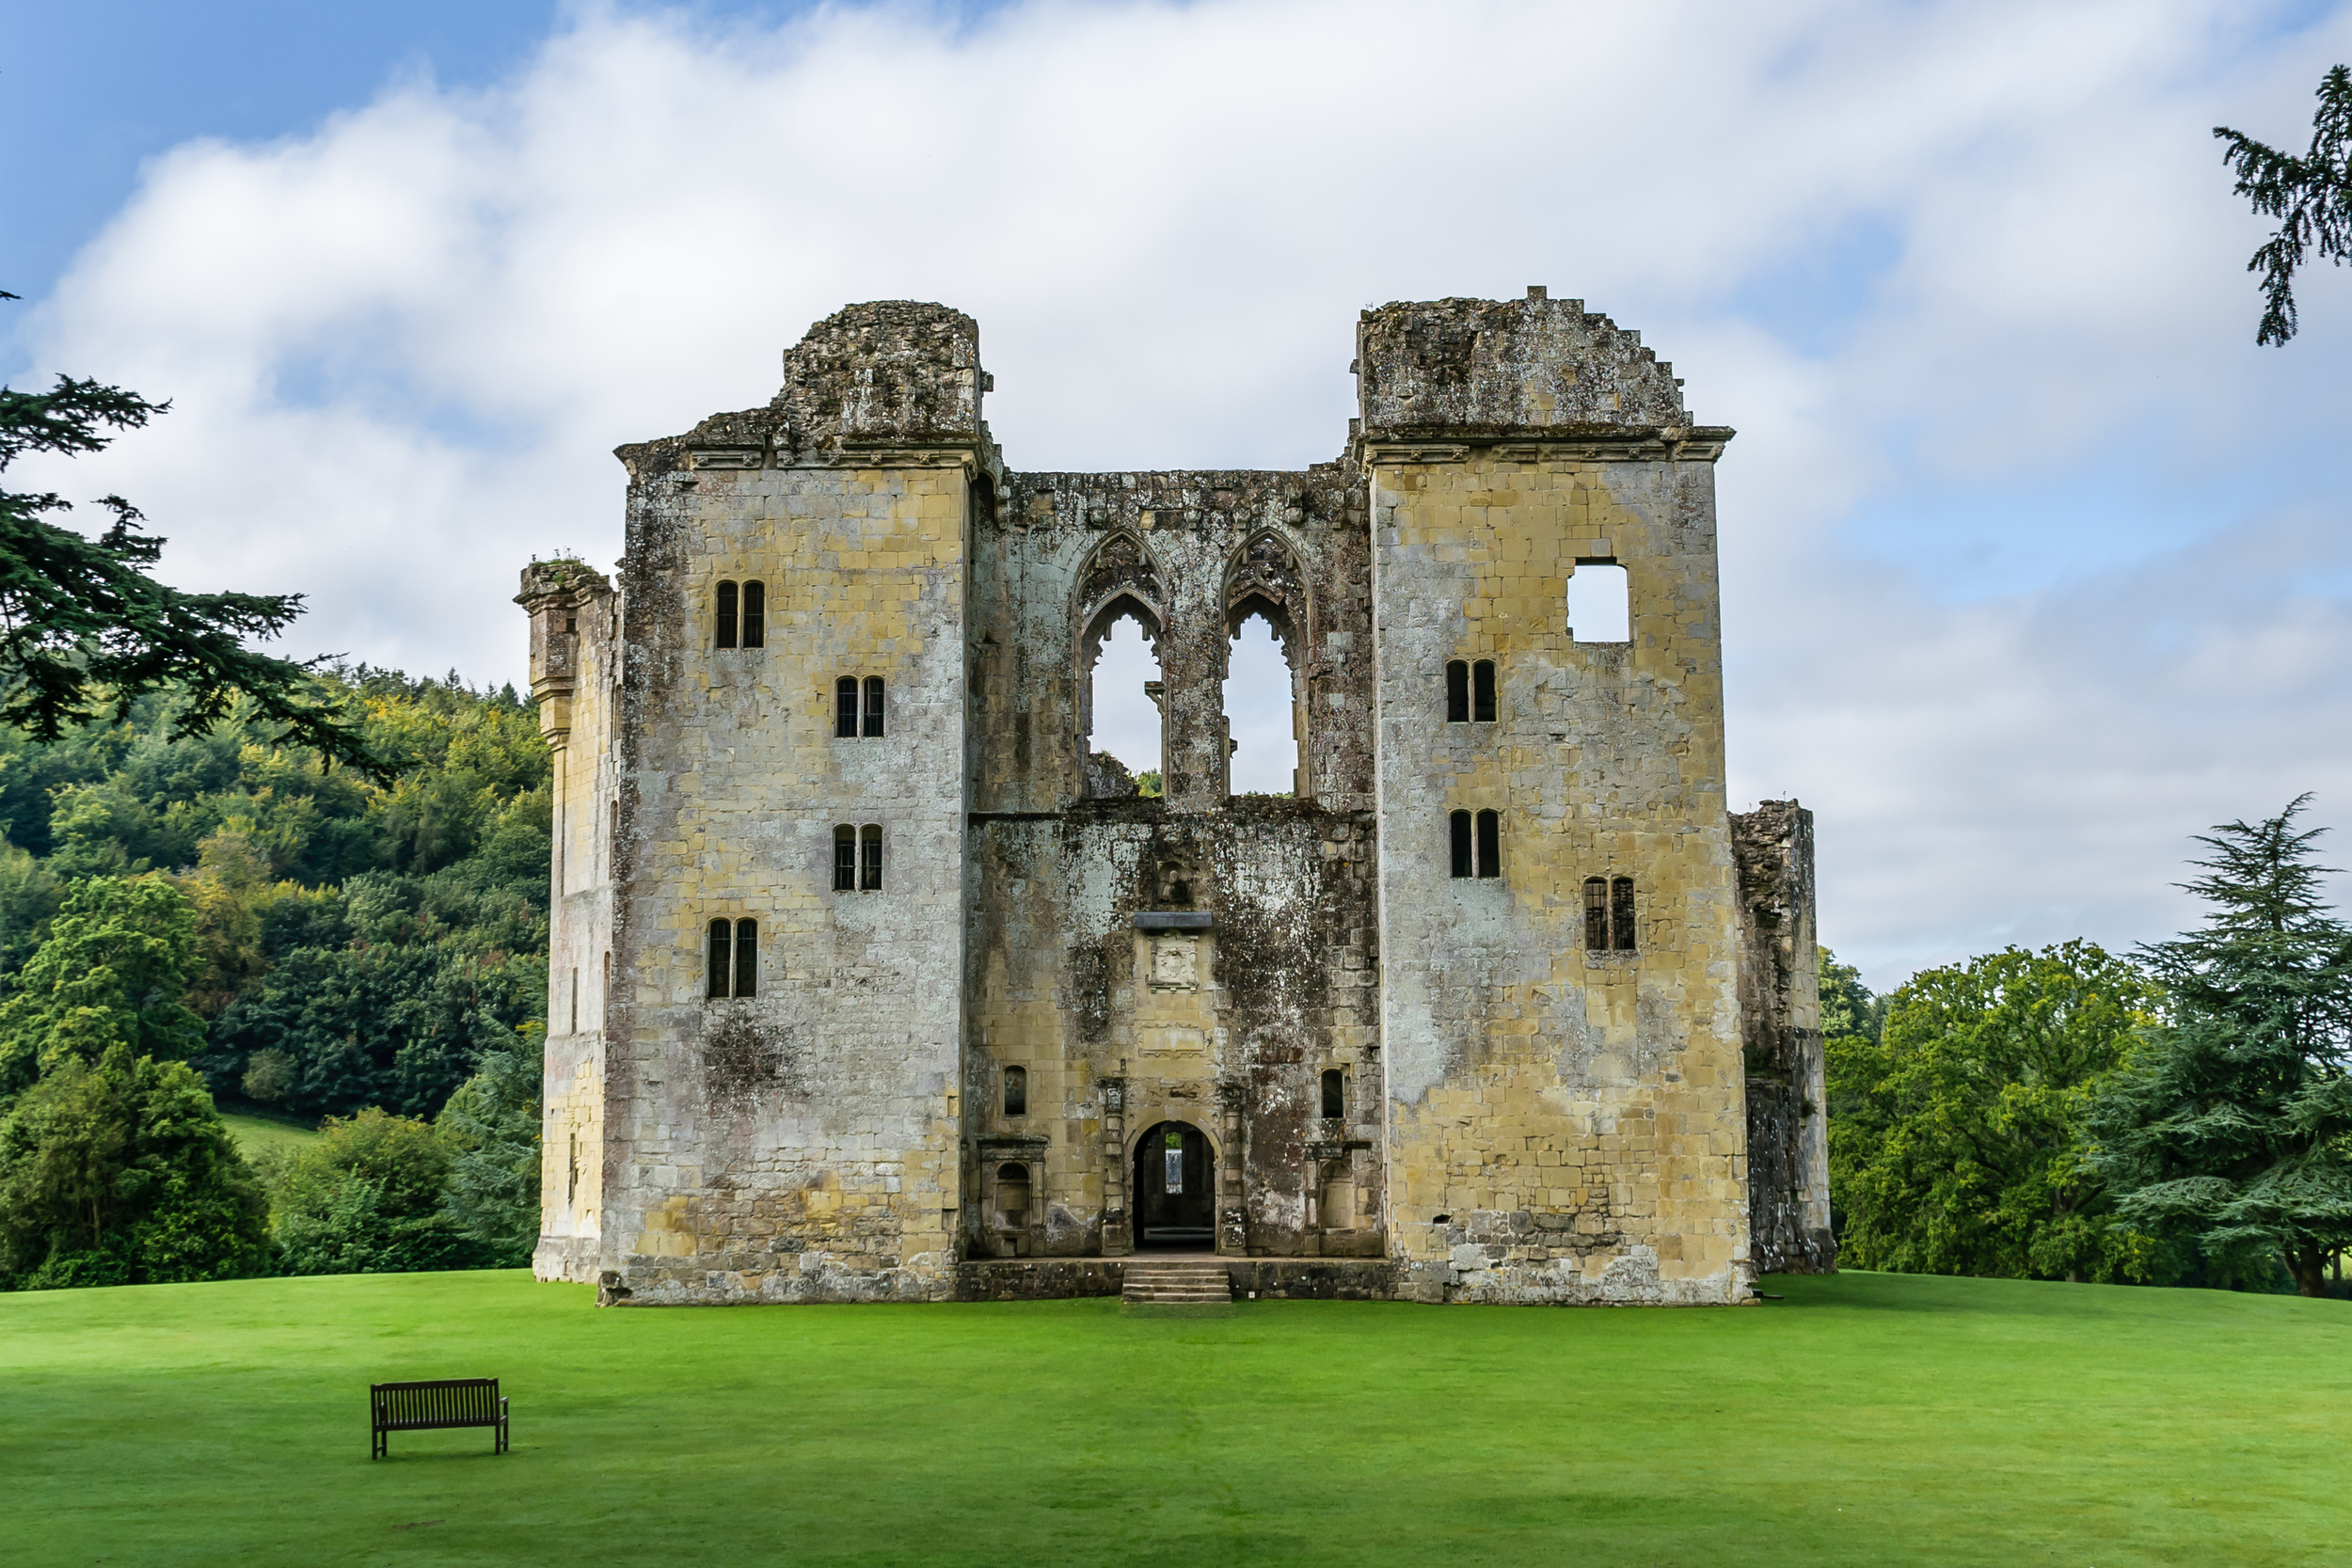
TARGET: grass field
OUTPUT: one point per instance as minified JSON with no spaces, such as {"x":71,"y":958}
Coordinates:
{"x":255,"y":1132}
{"x":1864,"y":1420}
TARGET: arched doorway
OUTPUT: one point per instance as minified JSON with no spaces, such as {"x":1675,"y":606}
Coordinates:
{"x":1174,"y":1208}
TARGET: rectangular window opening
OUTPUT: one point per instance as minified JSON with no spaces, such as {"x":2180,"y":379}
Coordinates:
{"x":722,"y":949}
{"x":845,"y":859}
{"x":726,"y":615}
{"x":1483,"y":691}
{"x":1458,"y":701}
{"x":1490,"y":844}
{"x":845,"y":707}
{"x":1601,"y":603}
{"x":1016,"y":1091}
{"x":873,"y":706}
{"x":1596,"y":914}
{"x":1621,"y":928}
{"x":1464,"y":865}
{"x":869,"y":859}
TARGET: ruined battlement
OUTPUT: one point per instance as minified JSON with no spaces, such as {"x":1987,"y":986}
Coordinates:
{"x":866,"y":967}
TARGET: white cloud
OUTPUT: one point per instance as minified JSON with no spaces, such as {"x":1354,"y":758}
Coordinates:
{"x":401,"y":347}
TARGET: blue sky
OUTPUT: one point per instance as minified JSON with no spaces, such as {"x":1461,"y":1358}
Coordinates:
{"x":2033,"y":564}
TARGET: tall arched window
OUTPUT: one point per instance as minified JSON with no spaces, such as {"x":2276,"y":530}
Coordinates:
{"x":1465,"y":861}
{"x":1457,"y":706}
{"x":1490,"y":844}
{"x":845,"y":708}
{"x":1016,"y":1091}
{"x":1483,"y":691}
{"x":755,"y":615}
{"x":726,"y":631}
{"x":869,"y":845}
{"x":873,"y":711}
{"x":845,"y":859}
{"x":733,"y":960}
{"x":1334,"y":1093}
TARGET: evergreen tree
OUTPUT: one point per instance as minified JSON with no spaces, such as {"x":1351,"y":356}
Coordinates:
{"x":2311,"y":197}
{"x":119,"y":1172}
{"x":491,"y":1128}
{"x":2233,"y":1130}
{"x":84,"y":630}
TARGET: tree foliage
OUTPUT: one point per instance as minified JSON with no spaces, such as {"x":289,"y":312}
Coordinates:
{"x":491,"y":1129}
{"x":119,"y":1172}
{"x":2232,"y":1131}
{"x":1956,"y":1138}
{"x":366,"y":1198}
{"x":119,"y":955}
{"x":84,"y":630}
{"x":2311,"y":197}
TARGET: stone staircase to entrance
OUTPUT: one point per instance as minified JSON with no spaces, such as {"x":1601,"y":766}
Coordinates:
{"x":1176,"y":1284}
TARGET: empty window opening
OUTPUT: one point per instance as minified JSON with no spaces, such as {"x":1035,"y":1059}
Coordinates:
{"x":1483,"y":691}
{"x":1173,"y":1148}
{"x":755,"y":615}
{"x":869,"y":859}
{"x":1457,"y":706}
{"x":870,"y":715}
{"x":845,"y":859}
{"x":571,"y":1173}
{"x":1121,"y":719}
{"x":734,"y":958}
{"x":726,"y":638}
{"x":845,"y":707}
{"x":1016,"y":1091}
{"x":1609,"y":915}
{"x":1334,"y":1093}
{"x":1013,"y":1194}
{"x":1490,"y":844}
{"x":1261,"y":705}
{"x":1464,"y":863}
{"x":1601,"y":603}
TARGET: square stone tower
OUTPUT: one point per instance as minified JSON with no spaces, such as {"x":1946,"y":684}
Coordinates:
{"x":873,"y":980}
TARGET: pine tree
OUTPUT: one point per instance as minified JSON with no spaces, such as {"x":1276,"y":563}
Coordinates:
{"x":2233,"y":1127}
{"x":2311,"y":197}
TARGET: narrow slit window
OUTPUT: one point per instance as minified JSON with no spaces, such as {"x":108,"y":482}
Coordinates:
{"x":845,"y":859}
{"x":1457,"y":698}
{"x":755,"y":615}
{"x":1621,"y":928}
{"x":722,"y":949}
{"x":869,"y":859}
{"x":1483,"y":691}
{"x":1601,"y":603}
{"x":1334,"y":1094}
{"x":845,"y":707}
{"x":747,"y":957}
{"x":873,"y":714}
{"x":1016,"y":1091}
{"x":1490,"y":844}
{"x":574,"y":1026}
{"x":1463,"y":864}
{"x":1596,"y":914}
{"x":726,"y":615}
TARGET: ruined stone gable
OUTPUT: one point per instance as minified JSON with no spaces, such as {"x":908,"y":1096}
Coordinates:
{"x":868,"y":970}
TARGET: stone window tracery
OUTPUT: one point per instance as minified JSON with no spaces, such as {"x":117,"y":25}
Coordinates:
{"x":859,"y":707}
{"x":1609,"y":915}
{"x":857,"y":858}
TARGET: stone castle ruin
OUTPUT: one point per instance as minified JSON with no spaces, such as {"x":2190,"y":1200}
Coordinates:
{"x":873,"y":980}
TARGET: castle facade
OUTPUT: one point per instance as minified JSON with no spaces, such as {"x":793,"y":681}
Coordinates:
{"x":872,"y":979}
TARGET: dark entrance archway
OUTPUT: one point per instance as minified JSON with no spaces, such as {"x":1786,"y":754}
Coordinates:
{"x":1173,"y":1205}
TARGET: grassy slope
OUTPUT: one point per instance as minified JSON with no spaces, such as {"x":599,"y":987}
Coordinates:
{"x":256,"y":1133}
{"x":1868,"y":1419}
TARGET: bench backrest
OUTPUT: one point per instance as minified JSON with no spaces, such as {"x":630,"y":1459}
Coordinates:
{"x":451,"y":1399}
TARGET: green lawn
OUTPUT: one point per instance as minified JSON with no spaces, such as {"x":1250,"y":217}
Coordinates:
{"x":1864,"y":1420}
{"x":256,"y":1132}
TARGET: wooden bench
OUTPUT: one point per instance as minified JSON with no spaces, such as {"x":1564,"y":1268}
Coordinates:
{"x":455,"y":1401}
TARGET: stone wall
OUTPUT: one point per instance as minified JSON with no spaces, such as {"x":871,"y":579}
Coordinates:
{"x":1780,"y":1009}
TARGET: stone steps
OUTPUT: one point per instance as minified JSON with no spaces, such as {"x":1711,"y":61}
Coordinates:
{"x":1177,"y":1284}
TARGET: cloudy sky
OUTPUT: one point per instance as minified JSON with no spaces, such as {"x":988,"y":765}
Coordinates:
{"x":2033,"y":564}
